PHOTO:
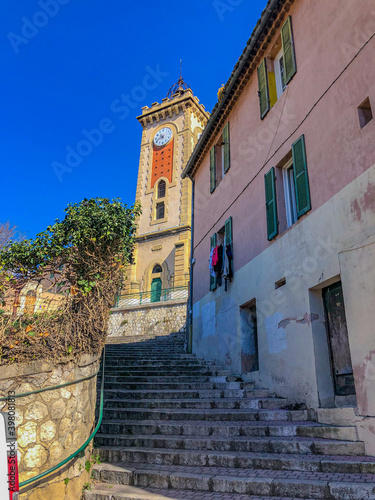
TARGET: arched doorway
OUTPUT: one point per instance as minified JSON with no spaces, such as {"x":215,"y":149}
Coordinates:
{"x":156,"y":287}
{"x":156,"y":283}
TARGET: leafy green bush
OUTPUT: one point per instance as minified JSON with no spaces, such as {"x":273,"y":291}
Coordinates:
{"x":85,"y":256}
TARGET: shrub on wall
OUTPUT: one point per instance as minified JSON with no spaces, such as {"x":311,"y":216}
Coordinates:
{"x":57,"y":289}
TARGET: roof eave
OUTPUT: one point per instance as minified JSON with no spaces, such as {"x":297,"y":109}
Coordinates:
{"x":258,"y":30}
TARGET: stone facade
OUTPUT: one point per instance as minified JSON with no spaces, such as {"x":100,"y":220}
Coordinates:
{"x":52,"y":425}
{"x":153,"y":319}
{"x":165,"y":241}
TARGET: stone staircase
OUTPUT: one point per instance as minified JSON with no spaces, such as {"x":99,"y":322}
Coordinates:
{"x":176,"y":427}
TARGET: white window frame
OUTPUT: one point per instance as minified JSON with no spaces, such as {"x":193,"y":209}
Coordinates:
{"x":279,"y":81}
{"x":290,"y":194}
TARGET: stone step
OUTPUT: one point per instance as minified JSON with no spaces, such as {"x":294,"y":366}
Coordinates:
{"x":162,"y":351}
{"x":233,"y":429}
{"x":146,"y":344}
{"x":153,"y":356}
{"x":175,"y":404}
{"x":114,"y":382}
{"x":155,"y":386}
{"x":255,"y":403}
{"x":315,"y":485}
{"x":166,"y":372}
{"x":161,"y":370}
{"x":241,"y":460}
{"x":157,"y":379}
{"x":141,"y":362}
{"x":212,"y":415}
{"x":111,"y":444}
{"x":105,"y":491}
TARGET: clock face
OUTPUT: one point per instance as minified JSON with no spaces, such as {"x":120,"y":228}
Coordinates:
{"x":163,"y":136}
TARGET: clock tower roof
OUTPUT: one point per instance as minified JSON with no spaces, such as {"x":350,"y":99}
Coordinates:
{"x":178,"y":88}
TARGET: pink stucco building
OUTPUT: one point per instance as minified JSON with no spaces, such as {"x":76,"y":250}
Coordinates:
{"x":284,"y":179}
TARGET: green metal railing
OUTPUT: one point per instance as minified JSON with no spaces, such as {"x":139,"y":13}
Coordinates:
{"x":150,"y":297}
{"x":87,"y":442}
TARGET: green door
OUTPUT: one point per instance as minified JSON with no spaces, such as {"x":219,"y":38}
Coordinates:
{"x":156,"y":290}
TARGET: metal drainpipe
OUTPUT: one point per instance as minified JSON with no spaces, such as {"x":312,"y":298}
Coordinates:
{"x":190,"y":345}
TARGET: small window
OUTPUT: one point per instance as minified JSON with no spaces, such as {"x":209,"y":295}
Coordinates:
{"x":161,"y":189}
{"x":157,"y":269}
{"x":160,"y":210}
{"x":280,"y":283}
{"x":365,"y":113}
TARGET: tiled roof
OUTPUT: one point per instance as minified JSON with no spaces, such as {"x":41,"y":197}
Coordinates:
{"x":231,"y":87}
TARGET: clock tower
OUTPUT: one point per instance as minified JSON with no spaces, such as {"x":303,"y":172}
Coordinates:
{"x":162,"y":251}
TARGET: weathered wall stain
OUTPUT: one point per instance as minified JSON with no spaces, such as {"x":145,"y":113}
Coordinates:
{"x":363,"y":374}
{"x":364,"y":203}
{"x":307,"y":319}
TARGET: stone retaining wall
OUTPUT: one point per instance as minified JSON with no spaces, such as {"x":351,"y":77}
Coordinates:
{"x":52,"y":425}
{"x":150,"y":319}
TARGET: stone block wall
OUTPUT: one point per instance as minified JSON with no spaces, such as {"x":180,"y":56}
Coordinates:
{"x":153,"y":319}
{"x":52,"y":425}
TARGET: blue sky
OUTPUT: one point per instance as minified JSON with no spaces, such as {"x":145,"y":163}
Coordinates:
{"x":66,"y":64}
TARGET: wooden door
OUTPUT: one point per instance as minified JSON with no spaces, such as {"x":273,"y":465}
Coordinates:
{"x":156,"y":290}
{"x":338,"y":340}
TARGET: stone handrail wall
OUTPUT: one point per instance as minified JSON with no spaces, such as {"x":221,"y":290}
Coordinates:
{"x":52,"y":425}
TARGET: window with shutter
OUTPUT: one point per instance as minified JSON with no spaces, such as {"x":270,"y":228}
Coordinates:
{"x":271,"y":204}
{"x":301,"y":178}
{"x":228,"y":237}
{"x":213,"y":279}
{"x":290,"y":67}
{"x":226,"y":148}
{"x":277,"y":69}
{"x":263,"y":89}
{"x":212,"y":170}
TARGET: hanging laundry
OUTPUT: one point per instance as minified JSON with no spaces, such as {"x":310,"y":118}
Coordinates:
{"x":211,"y":267}
{"x":215,"y":255}
{"x":218,"y":267}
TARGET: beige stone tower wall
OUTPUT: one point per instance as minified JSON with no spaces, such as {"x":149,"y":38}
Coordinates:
{"x":166,"y":242}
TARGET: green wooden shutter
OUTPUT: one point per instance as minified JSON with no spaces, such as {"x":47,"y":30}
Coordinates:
{"x":228,"y":231}
{"x":271,"y":204}
{"x":301,"y":178}
{"x":212,"y":278}
{"x":212,"y":170}
{"x":288,"y":50}
{"x":226,"y":147}
{"x":228,"y":238}
{"x":263,"y":91}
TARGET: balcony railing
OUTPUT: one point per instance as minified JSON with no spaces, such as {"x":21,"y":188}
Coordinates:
{"x":151,"y":297}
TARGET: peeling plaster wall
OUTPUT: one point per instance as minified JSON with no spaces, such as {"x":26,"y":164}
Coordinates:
{"x":291,"y":325}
